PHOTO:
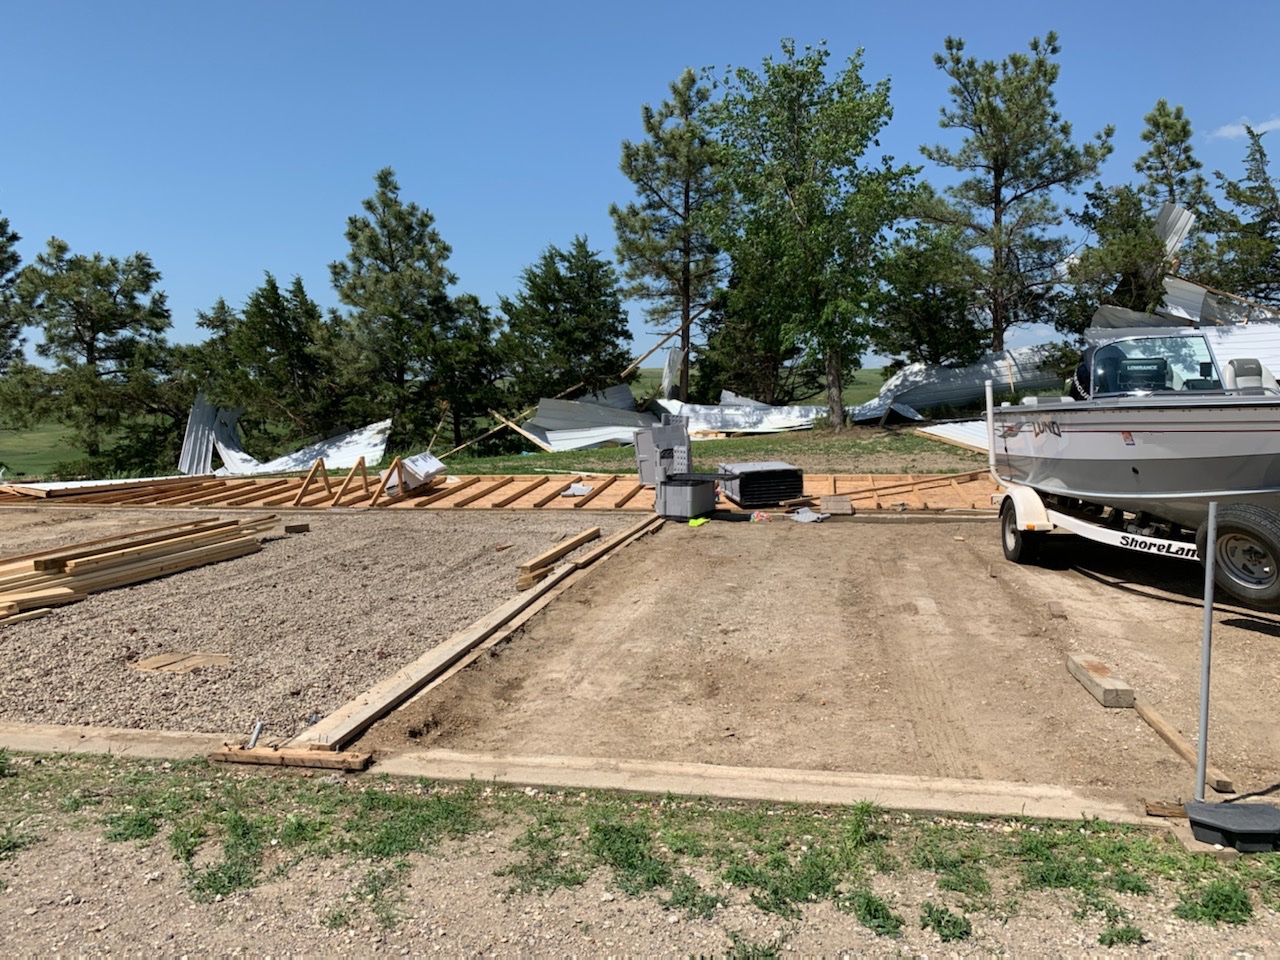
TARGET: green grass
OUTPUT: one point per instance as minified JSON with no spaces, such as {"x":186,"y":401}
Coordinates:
{"x":34,"y":453}
{"x":231,"y":830}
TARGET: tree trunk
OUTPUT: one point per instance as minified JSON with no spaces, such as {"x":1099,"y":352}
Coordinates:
{"x":835,"y":389}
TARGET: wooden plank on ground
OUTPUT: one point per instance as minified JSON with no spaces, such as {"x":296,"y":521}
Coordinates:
{"x":447,"y":491}
{"x":513,"y":497}
{"x":614,"y":542}
{"x":111,"y":558}
{"x":559,"y":550}
{"x":35,"y":614}
{"x":600,"y":487}
{"x":1096,"y":677}
{"x":294,"y":757}
{"x":627,"y":497}
{"x":483,"y":492}
{"x":556,"y":491}
{"x":72,"y":554}
{"x":162,"y":566}
{"x":347,"y":722}
{"x":1214,"y":777}
{"x":22,"y":558}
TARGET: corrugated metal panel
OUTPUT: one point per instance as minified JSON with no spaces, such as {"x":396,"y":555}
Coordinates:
{"x":971,"y":434}
{"x":618,"y":396}
{"x":196,"y":459}
{"x":1173,"y":223}
{"x":576,"y":415}
{"x":922,"y":386}
{"x":1183,"y":299}
{"x":582,"y":439}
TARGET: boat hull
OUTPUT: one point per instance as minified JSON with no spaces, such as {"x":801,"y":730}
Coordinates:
{"x":1166,"y":457}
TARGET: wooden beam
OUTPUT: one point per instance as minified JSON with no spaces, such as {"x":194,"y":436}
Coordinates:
{"x":482,"y":493}
{"x":1096,"y":677}
{"x":559,"y":550}
{"x":109,"y":558}
{"x":294,"y":757}
{"x":394,"y":470}
{"x":359,"y":466}
{"x":347,"y":722}
{"x":599,"y":488}
{"x":561,"y":488}
{"x":512,"y":498}
{"x":448,"y":491}
{"x":523,"y":432}
{"x":59,"y":560}
{"x":627,"y":497}
{"x":317,"y":467}
{"x":611,"y":544}
{"x":1214,"y":777}
{"x":116,"y":538}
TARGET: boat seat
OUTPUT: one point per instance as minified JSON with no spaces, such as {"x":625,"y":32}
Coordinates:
{"x":1246,"y":373}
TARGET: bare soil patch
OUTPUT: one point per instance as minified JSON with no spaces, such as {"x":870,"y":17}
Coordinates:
{"x":871,"y":647}
{"x":308,"y":623}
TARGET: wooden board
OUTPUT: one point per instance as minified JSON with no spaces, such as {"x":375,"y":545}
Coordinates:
{"x":349,"y":721}
{"x":294,"y":757}
{"x":559,"y":550}
{"x":182,"y":662}
{"x":1214,"y":778}
{"x":1096,"y":677}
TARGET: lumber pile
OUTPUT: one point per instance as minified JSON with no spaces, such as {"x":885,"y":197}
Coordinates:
{"x":33,"y":584}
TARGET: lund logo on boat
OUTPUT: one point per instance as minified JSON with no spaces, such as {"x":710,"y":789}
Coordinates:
{"x":1038,"y":428}
{"x":1166,"y":547}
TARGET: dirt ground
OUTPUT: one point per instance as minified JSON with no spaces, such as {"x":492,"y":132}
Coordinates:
{"x":902,"y":646}
{"x":895,"y":648}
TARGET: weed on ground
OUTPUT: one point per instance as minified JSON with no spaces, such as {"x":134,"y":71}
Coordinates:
{"x":229,"y":830}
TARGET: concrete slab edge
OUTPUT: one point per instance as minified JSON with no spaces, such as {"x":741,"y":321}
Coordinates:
{"x":908,"y":793}
{"x":113,"y":741}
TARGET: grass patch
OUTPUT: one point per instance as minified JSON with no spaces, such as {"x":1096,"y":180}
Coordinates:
{"x":545,"y":849}
{"x":628,"y":849}
{"x":947,"y":925}
{"x":221,"y":826}
{"x":872,"y":912}
{"x":1219,"y":901}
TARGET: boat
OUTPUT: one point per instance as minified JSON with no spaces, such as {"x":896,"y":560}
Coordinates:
{"x":1153,"y":430}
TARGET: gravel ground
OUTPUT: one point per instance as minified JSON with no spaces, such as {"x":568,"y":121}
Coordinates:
{"x":309,"y":622}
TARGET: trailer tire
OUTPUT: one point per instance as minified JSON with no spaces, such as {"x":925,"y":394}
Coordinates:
{"x":1020,"y":546}
{"x":1247,"y":554}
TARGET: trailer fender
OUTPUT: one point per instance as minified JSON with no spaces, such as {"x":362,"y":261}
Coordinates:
{"x":1028,"y":508}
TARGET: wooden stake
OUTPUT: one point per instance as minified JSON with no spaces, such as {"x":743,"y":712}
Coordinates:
{"x":394,"y":468}
{"x":523,"y":432}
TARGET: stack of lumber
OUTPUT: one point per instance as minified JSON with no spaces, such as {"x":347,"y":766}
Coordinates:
{"x":32,"y":584}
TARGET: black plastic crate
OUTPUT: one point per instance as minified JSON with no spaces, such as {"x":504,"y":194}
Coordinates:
{"x":765,"y":484}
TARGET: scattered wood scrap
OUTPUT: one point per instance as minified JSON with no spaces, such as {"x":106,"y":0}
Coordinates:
{"x":558,"y":551}
{"x":1170,"y":809}
{"x":295,"y":757}
{"x":51,"y":578}
{"x":1213,"y":777}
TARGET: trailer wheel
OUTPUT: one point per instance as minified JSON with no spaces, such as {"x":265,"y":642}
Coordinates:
{"x":1247,"y":554}
{"x":1020,"y":546}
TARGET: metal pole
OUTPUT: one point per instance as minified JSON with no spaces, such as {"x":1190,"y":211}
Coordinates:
{"x":1206,"y":648}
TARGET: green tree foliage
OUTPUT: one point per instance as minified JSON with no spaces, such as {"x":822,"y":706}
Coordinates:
{"x":1171,"y":170}
{"x":466,"y":369}
{"x":565,"y":327}
{"x":10,"y":328}
{"x":665,"y":252}
{"x":1017,"y":153}
{"x":273,"y":359}
{"x":102,"y":323}
{"x":928,"y":309}
{"x":1249,"y":229}
{"x":1124,"y":264}
{"x":396,"y":281}
{"x":810,"y":211}
{"x":750,"y":354}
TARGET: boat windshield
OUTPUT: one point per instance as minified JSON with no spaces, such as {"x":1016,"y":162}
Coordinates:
{"x":1146,"y":364}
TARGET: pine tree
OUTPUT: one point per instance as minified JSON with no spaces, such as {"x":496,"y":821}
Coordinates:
{"x":1017,"y":152}
{"x":9,"y":326}
{"x":1249,"y":236}
{"x":663,"y":247}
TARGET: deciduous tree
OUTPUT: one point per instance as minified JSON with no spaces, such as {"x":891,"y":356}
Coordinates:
{"x":807,"y":199}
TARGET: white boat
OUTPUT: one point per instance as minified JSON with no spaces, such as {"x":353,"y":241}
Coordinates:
{"x":1154,"y":430}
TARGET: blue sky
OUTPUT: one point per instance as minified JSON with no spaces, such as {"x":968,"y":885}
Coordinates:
{"x":233,"y":138}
